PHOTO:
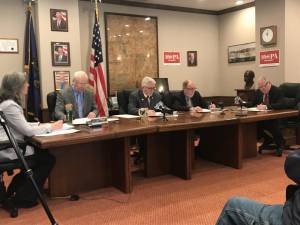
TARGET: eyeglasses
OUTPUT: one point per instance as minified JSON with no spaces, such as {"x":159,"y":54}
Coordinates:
{"x":190,"y":89}
{"x":150,"y":88}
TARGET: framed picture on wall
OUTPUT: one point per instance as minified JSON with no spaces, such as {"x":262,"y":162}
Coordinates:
{"x":9,"y":45}
{"x":192,"y":58}
{"x":60,"y":52}
{"x":241,"y":53}
{"x":59,"y":20}
{"x":61,"y":80}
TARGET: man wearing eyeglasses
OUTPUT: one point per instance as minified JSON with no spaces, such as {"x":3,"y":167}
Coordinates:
{"x":267,"y":97}
{"x":189,"y":99}
{"x":77,"y":99}
{"x":146,"y":97}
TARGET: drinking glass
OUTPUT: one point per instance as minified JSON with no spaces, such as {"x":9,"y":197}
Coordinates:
{"x":142,"y":112}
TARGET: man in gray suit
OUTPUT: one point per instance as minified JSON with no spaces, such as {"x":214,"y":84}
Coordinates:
{"x":77,"y":98}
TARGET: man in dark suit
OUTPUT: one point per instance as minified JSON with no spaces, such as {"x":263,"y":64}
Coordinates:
{"x":189,"y":99}
{"x":268,"y":96}
{"x":60,"y":57}
{"x":146,"y":97}
{"x":77,"y":98}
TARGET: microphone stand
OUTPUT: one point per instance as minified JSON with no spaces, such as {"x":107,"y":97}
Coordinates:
{"x":164,"y":114}
{"x":28,"y":171}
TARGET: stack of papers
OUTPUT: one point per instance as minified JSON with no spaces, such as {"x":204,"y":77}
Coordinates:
{"x":127,"y":116}
{"x":84,"y":121}
{"x":66,"y":129}
{"x":254,"y":109}
{"x":204,"y":111}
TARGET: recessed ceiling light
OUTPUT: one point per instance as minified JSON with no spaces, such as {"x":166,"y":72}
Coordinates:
{"x":148,"y":18}
{"x":239,"y":2}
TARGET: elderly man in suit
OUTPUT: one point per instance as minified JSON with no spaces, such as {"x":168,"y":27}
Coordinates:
{"x":268,"y":96}
{"x":78,"y":98}
{"x":189,"y":99}
{"x":146,"y":97}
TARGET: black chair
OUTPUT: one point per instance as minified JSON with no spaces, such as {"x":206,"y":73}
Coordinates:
{"x":123,"y":100}
{"x":291,"y":93}
{"x":9,"y":167}
{"x":51,"y":102}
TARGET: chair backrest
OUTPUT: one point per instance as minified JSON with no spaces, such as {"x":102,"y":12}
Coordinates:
{"x":168,"y":97}
{"x":51,"y":102}
{"x":123,"y":100}
{"x":291,"y":90}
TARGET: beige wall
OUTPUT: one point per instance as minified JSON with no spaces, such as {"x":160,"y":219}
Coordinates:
{"x":176,"y":32}
{"x":12,"y":28}
{"x":235,"y":28}
{"x":45,"y":36}
{"x":209,"y":35}
{"x":292,"y":41}
{"x":271,"y":12}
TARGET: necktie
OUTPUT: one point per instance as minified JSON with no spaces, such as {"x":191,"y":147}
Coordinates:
{"x":189,"y":102}
{"x":79,"y":101}
{"x":148,"y":102}
{"x":266,"y":99}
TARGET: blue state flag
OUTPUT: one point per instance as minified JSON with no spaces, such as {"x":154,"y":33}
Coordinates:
{"x":34,"y":112}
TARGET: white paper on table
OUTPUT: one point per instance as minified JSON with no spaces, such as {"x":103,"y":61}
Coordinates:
{"x":58,"y":132}
{"x":127,"y":116}
{"x":112,"y":119}
{"x":156,"y":114}
{"x":80,"y":121}
{"x":255,"y":109}
{"x":204,"y":111}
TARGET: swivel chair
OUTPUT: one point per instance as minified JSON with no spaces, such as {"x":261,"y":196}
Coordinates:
{"x":123,"y":100}
{"x":51,"y":102}
{"x":9,"y":166}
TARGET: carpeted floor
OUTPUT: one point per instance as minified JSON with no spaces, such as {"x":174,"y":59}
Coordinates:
{"x":167,"y":199}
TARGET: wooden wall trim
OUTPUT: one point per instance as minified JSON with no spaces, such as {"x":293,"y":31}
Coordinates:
{"x":236,"y":8}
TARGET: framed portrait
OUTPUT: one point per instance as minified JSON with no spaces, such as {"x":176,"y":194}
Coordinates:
{"x":59,"y":20}
{"x":9,"y":45}
{"x":60,"y":53}
{"x":61,"y":80}
{"x":241,"y":53}
{"x":192,"y":58}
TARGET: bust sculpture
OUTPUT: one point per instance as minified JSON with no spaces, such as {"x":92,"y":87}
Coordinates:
{"x":249,"y":79}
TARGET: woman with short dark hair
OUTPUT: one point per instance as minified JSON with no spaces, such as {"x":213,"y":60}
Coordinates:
{"x":20,"y":192}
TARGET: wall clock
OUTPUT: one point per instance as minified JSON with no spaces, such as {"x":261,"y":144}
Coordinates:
{"x":268,"y":35}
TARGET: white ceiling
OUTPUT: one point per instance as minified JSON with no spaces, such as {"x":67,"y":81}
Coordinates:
{"x":214,"y":5}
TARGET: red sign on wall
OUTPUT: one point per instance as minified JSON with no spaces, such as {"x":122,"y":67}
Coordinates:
{"x":269,"y":58}
{"x":171,"y":58}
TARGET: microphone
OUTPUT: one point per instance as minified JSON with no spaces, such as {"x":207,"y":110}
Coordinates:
{"x":160,"y":107}
{"x":239,"y":101}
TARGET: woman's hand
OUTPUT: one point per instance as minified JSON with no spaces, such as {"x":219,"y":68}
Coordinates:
{"x":57,"y":125}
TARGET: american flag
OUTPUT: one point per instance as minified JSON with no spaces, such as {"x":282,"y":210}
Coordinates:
{"x":96,"y":73}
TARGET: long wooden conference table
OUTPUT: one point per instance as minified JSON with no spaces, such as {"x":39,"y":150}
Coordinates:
{"x":95,"y":158}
